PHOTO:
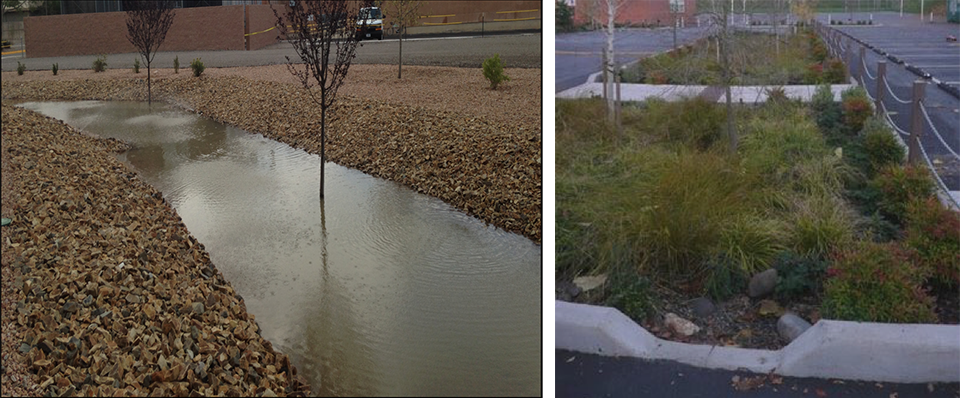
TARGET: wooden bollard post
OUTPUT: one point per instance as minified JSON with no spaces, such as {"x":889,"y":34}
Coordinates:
{"x":916,"y":122}
{"x":862,"y":66}
{"x":881,"y":75}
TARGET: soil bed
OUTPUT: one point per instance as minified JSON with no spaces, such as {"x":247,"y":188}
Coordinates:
{"x":105,"y":291}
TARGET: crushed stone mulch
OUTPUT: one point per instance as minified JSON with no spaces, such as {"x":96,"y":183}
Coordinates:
{"x":113,"y":296}
{"x":489,"y":168}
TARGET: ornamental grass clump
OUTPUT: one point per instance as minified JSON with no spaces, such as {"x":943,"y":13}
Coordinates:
{"x":56,"y":68}
{"x":136,"y":65}
{"x":20,"y":68}
{"x":898,"y":186}
{"x":197,"y":67}
{"x":876,"y":282}
{"x":493,"y":71}
{"x":176,"y":64}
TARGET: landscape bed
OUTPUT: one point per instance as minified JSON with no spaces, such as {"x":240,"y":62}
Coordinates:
{"x":667,"y":220}
{"x":755,"y":59}
{"x":105,"y":290}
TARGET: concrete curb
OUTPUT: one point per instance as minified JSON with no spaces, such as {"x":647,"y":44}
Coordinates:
{"x":740,"y":94}
{"x":900,"y":353}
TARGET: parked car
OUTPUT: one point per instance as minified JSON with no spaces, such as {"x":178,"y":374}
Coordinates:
{"x":370,"y":23}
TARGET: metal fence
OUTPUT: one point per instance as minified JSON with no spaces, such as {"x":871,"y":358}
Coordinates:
{"x":884,"y":98}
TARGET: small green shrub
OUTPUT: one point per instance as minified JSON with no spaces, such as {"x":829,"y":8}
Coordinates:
{"x":100,"y":64}
{"x":493,"y":71}
{"x":933,"y":233}
{"x":197,"y":67}
{"x":136,"y":65}
{"x":56,"y":68}
{"x":798,"y":275}
{"x":630,"y":293}
{"x":881,"y":145}
{"x":853,"y":92}
{"x":695,"y":122}
{"x":875,"y":282}
{"x":855,"y":113}
{"x":724,"y":278}
{"x":835,"y":71}
{"x":814,"y":74}
{"x":176,"y":64}
{"x":898,"y":187}
{"x":777,"y":95}
{"x":752,"y":242}
{"x":20,"y":68}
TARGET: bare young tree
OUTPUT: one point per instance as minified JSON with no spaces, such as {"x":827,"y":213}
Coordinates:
{"x":404,"y":13}
{"x":317,"y":28}
{"x":719,"y":14}
{"x":147,"y":24}
{"x":606,"y":12}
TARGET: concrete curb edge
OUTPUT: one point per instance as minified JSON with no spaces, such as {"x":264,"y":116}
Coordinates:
{"x":900,"y":353}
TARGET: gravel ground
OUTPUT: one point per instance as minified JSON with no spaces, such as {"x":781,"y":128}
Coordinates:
{"x":441,"y":131}
{"x":113,"y":295}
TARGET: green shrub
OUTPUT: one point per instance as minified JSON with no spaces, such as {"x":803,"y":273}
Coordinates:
{"x":197,"y":67}
{"x":176,"y":64}
{"x":100,"y":64}
{"x":564,"y":17}
{"x":493,"y":71}
{"x":814,"y":74}
{"x":856,"y":110}
{"x":799,"y":276}
{"x":630,"y":293}
{"x":136,"y":65}
{"x":835,"y":71}
{"x":875,"y":282}
{"x":724,"y":278}
{"x":881,"y":145}
{"x":933,"y":233}
{"x":825,"y":109}
{"x":853,"y":92}
{"x":56,"y":68}
{"x":898,"y":187}
{"x":777,"y":95}
{"x":20,"y":68}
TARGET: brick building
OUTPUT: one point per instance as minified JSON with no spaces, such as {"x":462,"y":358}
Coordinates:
{"x":635,"y":12}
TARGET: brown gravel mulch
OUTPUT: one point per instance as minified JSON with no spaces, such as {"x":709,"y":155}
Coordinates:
{"x":105,"y":291}
{"x":486,"y":163}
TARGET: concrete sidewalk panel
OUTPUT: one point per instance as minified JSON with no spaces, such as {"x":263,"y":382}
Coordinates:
{"x":903,"y":353}
{"x":600,"y":330}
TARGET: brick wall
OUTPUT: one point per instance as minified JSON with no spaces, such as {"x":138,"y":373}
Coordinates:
{"x":202,"y":28}
{"x":636,"y":12}
{"x":260,"y":18}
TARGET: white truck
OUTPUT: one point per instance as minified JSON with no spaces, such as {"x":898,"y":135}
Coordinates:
{"x":370,"y":23}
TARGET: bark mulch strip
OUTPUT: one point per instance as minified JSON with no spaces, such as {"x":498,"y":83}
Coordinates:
{"x":115,"y":297}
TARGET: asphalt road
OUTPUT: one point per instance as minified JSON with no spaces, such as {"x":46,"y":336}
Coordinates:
{"x":578,"y":54}
{"x":516,"y":50}
{"x":924,"y":45}
{"x":585,"y":375}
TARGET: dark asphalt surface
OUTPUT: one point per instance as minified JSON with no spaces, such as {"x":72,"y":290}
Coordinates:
{"x":578,"y":54}
{"x":517,"y":50}
{"x":585,"y":375}
{"x":922,"y":44}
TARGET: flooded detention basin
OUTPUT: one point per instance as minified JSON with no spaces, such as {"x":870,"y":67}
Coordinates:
{"x":377,"y":290}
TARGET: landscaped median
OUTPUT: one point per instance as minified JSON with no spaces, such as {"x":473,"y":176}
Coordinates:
{"x":486,"y":167}
{"x":111,"y":295}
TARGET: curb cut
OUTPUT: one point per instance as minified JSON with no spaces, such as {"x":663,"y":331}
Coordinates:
{"x":900,"y":353}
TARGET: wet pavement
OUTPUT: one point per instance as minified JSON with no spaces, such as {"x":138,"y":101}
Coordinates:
{"x":920,"y":44}
{"x":578,"y":54}
{"x":587,"y":375}
{"x":377,"y":290}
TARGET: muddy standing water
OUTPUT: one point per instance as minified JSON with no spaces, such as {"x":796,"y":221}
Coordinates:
{"x":378,"y":290}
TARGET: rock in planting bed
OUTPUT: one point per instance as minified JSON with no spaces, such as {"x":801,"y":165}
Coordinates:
{"x":105,"y":291}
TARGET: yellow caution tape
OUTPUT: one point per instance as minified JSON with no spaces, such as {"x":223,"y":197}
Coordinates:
{"x":262,"y":31}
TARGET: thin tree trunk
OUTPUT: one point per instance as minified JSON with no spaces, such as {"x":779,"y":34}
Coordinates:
{"x":400,"y":64}
{"x":323,"y":138}
{"x":149,"y":93}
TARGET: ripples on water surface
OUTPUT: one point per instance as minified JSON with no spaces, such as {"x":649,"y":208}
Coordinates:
{"x":382,"y":291}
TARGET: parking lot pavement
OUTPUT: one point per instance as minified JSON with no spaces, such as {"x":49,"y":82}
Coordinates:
{"x":587,"y":375}
{"x":578,"y":54}
{"x":924,"y":45}
{"x":523,"y":50}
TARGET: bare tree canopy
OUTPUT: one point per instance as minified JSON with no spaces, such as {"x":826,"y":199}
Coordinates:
{"x":317,"y":30}
{"x":147,"y":24}
{"x":404,"y":13}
